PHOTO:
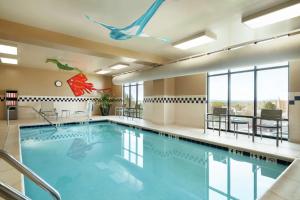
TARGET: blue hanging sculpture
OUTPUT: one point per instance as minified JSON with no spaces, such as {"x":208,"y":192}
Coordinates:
{"x":136,"y":28}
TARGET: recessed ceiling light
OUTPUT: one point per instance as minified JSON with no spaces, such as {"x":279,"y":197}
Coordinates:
{"x":119,"y":66}
{"x":195,"y":41}
{"x":129,"y":60}
{"x":103,"y":71}
{"x":9,"y":61}
{"x":273,"y":15}
{"x":6,"y":49}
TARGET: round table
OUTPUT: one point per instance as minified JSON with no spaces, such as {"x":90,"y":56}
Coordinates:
{"x":236,"y":123}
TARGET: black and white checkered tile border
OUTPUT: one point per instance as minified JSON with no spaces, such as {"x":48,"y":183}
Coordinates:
{"x":57,"y":99}
{"x":293,"y":97}
{"x":179,"y":99}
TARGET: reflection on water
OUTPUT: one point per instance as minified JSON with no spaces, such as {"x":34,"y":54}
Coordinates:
{"x":116,"y":162}
{"x":133,"y":147}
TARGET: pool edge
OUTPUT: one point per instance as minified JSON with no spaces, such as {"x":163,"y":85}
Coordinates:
{"x":246,"y":152}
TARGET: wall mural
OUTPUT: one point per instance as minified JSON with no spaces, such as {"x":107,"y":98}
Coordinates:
{"x":136,"y":28}
{"x":77,"y":83}
{"x":62,"y":66}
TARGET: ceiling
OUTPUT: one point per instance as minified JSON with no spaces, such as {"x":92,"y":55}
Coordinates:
{"x":35,"y":56}
{"x":176,"y":19}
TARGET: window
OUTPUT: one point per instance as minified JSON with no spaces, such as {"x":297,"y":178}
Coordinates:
{"x":246,"y":91}
{"x":272,"y":93}
{"x":218,"y":92}
{"x":126,"y":95}
{"x":133,"y":95}
{"x":242,"y":94}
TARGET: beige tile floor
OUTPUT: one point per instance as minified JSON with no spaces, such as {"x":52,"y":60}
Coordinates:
{"x":284,"y":188}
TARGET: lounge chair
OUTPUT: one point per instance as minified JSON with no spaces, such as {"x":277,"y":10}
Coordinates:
{"x":271,"y":119}
{"x":87,"y":111}
{"x":48,"y":110}
{"x":219,"y":115}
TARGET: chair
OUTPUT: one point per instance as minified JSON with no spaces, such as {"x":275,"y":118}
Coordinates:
{"x":216,"y":116}
{"x":48,"y":110}
{"x":133,"y":112}
{"x":88,"y":110}
{"x":139,"y":110}
{"x":119,"y":111}
{"x":271,"y":119}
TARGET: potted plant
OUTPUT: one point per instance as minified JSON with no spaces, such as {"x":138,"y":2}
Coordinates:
{"x":105,"y":103}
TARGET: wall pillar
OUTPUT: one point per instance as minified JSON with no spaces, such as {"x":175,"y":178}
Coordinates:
{"x":180,"y":100}
{"x":294,"y":101}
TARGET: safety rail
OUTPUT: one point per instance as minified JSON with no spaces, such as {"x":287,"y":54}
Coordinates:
{"x":39,"y":113}
{"x":44,"y":117}
{"x":12,"y":193}
{"x":8,"y":192}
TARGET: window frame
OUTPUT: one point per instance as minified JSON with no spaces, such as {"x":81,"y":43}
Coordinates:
{"x":229,"y":73}
{"x":130,"y":85}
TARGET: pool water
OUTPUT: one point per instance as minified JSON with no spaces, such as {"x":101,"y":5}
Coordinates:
{"x":107,"y":161}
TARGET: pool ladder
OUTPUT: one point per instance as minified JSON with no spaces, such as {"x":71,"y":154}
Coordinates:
{"x":8,"y":192}
{"x":44,"y":117}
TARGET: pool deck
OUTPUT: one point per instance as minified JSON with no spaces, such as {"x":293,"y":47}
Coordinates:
{"x":286,"y":186}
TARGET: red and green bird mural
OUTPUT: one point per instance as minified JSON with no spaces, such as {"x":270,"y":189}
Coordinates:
{"x":77,"y":83}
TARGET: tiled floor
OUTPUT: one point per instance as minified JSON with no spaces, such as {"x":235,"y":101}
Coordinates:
{"x":286,"y":151}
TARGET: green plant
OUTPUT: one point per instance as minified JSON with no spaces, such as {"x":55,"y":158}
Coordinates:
{"x":239,"y":107}
{"x":105,"y":103}
{"x":269,"y":105}
{"x":126,"y":99}
{"x":218,"y":104}
{"x":105,"y":100}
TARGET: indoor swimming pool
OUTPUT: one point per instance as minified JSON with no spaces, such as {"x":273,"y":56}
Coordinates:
{"x":108,"y":161}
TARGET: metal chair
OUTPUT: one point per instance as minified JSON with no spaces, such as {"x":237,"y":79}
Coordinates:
{"x":88,"y":109}
{"x":48,"y":109}
{"x":216,"y":116}
{"x":138,"y":109}
{"x":273,"y":116}
{"x":119,"y":111}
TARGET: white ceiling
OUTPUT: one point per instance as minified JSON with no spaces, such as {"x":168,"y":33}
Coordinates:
{"x":176,"y":19}
{"x":35,"y":57}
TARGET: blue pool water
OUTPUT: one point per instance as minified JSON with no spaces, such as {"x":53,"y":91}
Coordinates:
{"x":107,"y":161}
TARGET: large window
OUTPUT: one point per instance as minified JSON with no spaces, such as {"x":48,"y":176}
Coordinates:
{"x":133,"y":95}
{"x":218,"y":91}
{"x":247,"y":90}
{"x":242,"y":93}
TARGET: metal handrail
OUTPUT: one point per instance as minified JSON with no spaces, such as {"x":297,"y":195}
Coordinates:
{"x":28,"y":173}
{"x":43,"y":116}
{"x":9,"y":192}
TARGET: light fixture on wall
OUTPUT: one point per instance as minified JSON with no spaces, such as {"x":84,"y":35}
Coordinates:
{"x":102,"y":71}
{"x":13,"y":61}
{"x":8,"y":49}
{"x":273,"y":15}
{"x":119,"y":66}
{"x":194,"y":41}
